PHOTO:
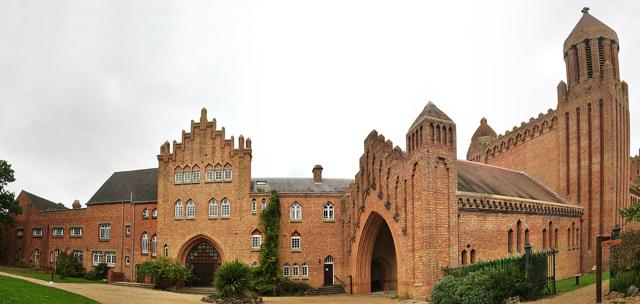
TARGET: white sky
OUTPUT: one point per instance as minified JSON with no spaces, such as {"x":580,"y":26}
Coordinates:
{"x":92,"y":87}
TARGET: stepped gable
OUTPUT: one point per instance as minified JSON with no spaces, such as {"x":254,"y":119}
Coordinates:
{"x":485,"y":179}
{"x":44,"y":204}
{"x":143,"y":184}
{"x":299,"y":185}
{"x":527,"y":130}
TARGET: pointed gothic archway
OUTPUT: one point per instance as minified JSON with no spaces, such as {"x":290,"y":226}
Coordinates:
{"x":376,"y":264}
{"x":203,"y":257}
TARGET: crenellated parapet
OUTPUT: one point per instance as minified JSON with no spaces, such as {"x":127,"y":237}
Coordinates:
{"x":477,"y":202}
{"x":518,"y":135}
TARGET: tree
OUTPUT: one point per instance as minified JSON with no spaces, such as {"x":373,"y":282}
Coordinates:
{"x":631,"y":213}
{"x":266,"y":275}
{"x":8,"y":204}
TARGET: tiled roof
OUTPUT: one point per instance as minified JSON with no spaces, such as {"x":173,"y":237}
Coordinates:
{"x":143,"y":184}
{"x":430,"y":110}
{"x":486,"y":179}
{"x":299,"y":185}
{"x":43,"y":204}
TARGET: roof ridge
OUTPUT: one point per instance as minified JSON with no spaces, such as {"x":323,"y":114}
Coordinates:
{"x":494,"y":166}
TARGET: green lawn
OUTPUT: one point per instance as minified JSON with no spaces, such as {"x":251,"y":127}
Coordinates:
{"x":18,"y":291}
{"x":585,"y":280}
{"x":44,"y":276}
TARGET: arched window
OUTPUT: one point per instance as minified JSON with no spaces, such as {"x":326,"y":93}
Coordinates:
{"x":264,"y":204}
{"x":328,"y":260}
{"x":568,"y":238}
{"x":327,"y":212}
{"x":296,"y":270}
{"x":473,"y":256}
{"x":295,"y":211}
{"x":544,"y":238}
{"x":195,"y":176}
{"x":254,"y":205}
{"x":555,"y":239}
{"x":177,"y":175}
{"x":154,"y":245}
{"x":179,"y":210}
{"x":256,"y":240}
{"x":295,"y":242}
{"x":510,"y":241}
{"x":208,"y":173}
{"x":154,"y":213}
{"x":519,"y":236}
{"x":145,"y":213}
{"x":144,"y":243}
{"x":166,"y":250}
{"x":191,"y":209}
{"x":578,"y":237}
{"x":285,"y":270}
{"x":463,"y":257}
{"x":213,"y":208}
{"x":305,"y":270}
{"x":225,"y":208}
{"x":526,"y":236}
{"x":186,"y":175}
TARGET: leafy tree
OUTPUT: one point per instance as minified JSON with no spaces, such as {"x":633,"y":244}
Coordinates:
{"x":233,"y":280}
{"x":8,"y":204}
{"x":631,"y":213}
{"x":68,"y":266}
{"x":266,"y":275}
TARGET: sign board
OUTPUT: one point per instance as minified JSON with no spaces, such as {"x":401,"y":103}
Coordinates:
{"x":609,"y":243}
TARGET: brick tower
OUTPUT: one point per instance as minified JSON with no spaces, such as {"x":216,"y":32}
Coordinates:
{"x":593,"y":121}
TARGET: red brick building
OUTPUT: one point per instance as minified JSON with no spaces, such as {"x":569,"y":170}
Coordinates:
{"x":555,"y":181}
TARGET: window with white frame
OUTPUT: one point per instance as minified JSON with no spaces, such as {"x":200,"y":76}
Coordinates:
{"x":295,"y":212}
{"x":36,"y":231}
{"x":55,"y":254}
{"x":208,"y":175}
{"x":305,"y":269}
{"x":19,"y":233}
{"x":144,"y":243}
{"x":285,"y":270}
{"x":196,"y":175}
{"x":225,"y":208}
{"x":256,"y":240}
{"x":110,"y":259}
{"x":97,"y":258}
{"x":186,"y":176}
{"x":178,"y":176}
{"x":218,"y":174}
{"x":36,"y":257}
{"x":58,"y":231}
{"x":254,"y":206}
{"x":75,"y":231}
{"x":296,"y":270}
{"x":145,"y":213}
{"x":264,"y":204}
{"x":127,"y":261}
{"x":295,"y":241}
{"x":179,"y":210}
{"x":105,"y":231}
{"x":191,"y":209}
{"x":154,"y":213}
{"x":327,"y":211}
{"x":78,"y":255}
{"x":227,"y":174}
{"x":213,"y":208}
{"x":154,"y":245}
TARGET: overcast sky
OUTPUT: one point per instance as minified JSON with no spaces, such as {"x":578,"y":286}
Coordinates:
{"x":92,"y":87}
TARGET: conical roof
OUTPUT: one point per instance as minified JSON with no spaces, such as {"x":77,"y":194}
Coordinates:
{"x":430,"y":110}
{"x":588,"y":27}
{"x":484,"y":130}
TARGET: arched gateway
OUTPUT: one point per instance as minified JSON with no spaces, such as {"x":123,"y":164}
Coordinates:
{"x":376,"y":268}
{"x":204,"y":259}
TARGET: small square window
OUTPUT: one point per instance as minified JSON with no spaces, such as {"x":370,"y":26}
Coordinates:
{"x":218,"y":175}
{"x":227,"y":174}
{"x":58,"y":231}
{"x":75,"y":231}
{"x":37,"y":232}
{"x":196,"y":176}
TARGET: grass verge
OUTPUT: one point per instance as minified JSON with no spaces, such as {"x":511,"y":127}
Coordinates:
{"x":18,"y":291}
{"x":569,"y":284}
{"x":44,"y":276}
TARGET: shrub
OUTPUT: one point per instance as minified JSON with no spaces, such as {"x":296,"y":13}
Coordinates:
{"x":628,"y":253}
{"x":164,"y":271}
{"x":288,"y":288}
{"x":472,"y":288}
{"x":97,"y":273}
{"x":233,"y":280}
{"x":623,"y":280}
{"x":68,"y":266}
{"x":24,"y":263}
{"x":266,"y":275}
{"x":506,"y":282}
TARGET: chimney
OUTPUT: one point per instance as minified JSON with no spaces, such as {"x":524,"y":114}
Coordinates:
{"x":317,"y":174}
{"x":76,"y":204}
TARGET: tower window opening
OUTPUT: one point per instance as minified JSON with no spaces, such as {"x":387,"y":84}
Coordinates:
{"x":601,"y":57}
{"x":577,"y":65}
{"x":589,"y":60}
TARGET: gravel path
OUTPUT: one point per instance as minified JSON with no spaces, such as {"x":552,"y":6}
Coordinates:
{"x":585,"y":295}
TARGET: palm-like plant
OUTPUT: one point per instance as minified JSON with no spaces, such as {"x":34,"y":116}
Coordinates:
{"x":233,"y":280}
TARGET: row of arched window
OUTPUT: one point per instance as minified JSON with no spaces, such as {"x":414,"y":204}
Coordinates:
{"x":189,"y":211}
{"x":294,"y":271}
{"x":145,"y":213}
{"x":189,"y":175}
{"x":471,"y":256}
{"x":295,"y":211}
{"x":144,"y":244}
{"x":549,"y":238}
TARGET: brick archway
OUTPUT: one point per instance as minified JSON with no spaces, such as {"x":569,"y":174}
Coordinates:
{"x":371,"y":254}
{"x":203,"y":256}
{"x":195,"y":240}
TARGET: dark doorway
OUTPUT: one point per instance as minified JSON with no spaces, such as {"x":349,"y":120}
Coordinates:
{"x":384,"y":276}
{"x":204,"y":260}
{"x":328,"y":271}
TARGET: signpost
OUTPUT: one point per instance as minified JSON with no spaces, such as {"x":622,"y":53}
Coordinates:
{"x":605,"y":242}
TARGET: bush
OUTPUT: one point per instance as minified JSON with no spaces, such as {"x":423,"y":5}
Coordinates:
{"x":97,"y":273}
{"x":628,"y":253}
{"x":68,"y":266}
{"x":233,"y":280}
{"x":288,"y":288}
{"x":623,"y":280}
{"x":472,"y":288}
{"x":506,"y":282}
{"x":164,"y":271}
{"x":23,"y":263}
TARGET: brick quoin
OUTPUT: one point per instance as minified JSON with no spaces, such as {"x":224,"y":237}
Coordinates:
{"x":556,"y":181}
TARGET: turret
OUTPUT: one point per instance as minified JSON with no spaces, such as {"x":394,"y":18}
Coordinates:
{"x":432,"y":128}
{"x":482,"y":137}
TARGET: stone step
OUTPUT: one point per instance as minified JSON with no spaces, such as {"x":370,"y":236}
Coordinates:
{"x":131,"y":284}
{"x":328,"y":290}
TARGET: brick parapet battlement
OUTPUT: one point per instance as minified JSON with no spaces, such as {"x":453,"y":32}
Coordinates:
{"x":468,"y":201}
